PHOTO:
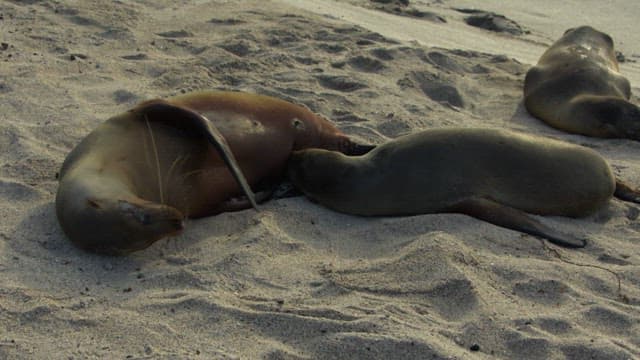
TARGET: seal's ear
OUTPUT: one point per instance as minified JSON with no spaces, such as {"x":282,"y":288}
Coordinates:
{"x":194,"y":124}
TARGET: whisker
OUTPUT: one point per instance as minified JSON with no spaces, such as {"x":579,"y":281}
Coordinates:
{"x":193,"y":172}
{"x":176,"y":161}
{"x":155,"y":152}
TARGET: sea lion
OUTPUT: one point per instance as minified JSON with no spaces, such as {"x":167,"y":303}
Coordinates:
{"x":494,"y":175}
{"x":576,"y":87}
{"x":138,"y":175}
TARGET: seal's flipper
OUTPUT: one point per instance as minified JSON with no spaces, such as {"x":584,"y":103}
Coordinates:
{"x":626,"y":193}
{"x":511,"y":218}
{"x":188,"y":120}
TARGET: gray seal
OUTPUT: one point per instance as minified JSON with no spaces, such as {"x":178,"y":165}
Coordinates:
{"x":498,"y":176}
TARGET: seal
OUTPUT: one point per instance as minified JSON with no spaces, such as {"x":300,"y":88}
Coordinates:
{"x":576,"y":87}
{"x":498,"y":176}
{"x":137,"y":176}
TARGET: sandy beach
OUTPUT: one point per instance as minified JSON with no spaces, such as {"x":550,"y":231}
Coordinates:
{"x":296,"y":280}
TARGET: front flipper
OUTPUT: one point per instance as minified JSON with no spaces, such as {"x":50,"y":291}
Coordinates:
{"x":191,"y":121}
{"x":511,"y":218}
{"x":627,"y":193}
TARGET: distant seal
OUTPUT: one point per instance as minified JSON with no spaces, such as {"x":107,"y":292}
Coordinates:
{"x":576,"y":87}
{"x":494,"y":175}
{"x":135,"y":178}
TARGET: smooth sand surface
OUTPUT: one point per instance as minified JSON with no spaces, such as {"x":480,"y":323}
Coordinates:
{"x":295,"y":280}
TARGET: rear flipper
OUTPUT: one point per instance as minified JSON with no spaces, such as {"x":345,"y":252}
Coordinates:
{"x":511,"y":218}
{"x":190,"y":121}
{"x":626,"y":193}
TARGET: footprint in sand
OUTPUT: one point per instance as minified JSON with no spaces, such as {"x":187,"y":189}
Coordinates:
{"x":340,"y":83}
{"x":366,"y":64}
{"x":542,"y":291}
{"x":439,"y":90}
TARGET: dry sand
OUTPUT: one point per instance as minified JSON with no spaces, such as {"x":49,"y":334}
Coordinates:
{"x":297,"y":281}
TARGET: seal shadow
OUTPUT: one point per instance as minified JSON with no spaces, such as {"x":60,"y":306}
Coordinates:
{"x":45,"y":255}
{"x":523,"y":121}
{"x":41,"y":229}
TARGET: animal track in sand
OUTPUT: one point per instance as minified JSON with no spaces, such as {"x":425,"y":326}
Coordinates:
{"x":544,"y":291}
{"x":366,"y":64}
{"x":601,"y":317}
{"x":439,"y":90}
{"x":340,"y":83}
{"x":554,"y":326}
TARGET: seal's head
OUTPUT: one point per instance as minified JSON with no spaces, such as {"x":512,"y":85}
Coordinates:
{"x":99,"y":218}
{"x":318,"y":171}
{"x":317,"y":132}
{"x":587,"y":31}
{"x":616,"y":116}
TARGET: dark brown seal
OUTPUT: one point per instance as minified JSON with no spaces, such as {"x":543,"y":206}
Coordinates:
{"x":135,"y":178}
{"x":498,"y":176}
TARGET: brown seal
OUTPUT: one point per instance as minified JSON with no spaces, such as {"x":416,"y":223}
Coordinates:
{"x":135,"y":178}
{"x":576,"y":87}
{"x":494,"y":175}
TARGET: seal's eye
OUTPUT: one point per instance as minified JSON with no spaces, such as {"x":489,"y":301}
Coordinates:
{"x":297,"y":124}
{"x":94,"y":204}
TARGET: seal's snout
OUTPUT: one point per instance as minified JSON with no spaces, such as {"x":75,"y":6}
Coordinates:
{"x":137,"y":224}
{"x":164,"y":220}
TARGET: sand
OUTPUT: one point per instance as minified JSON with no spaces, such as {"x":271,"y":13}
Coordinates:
{"x":295,"y":280}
